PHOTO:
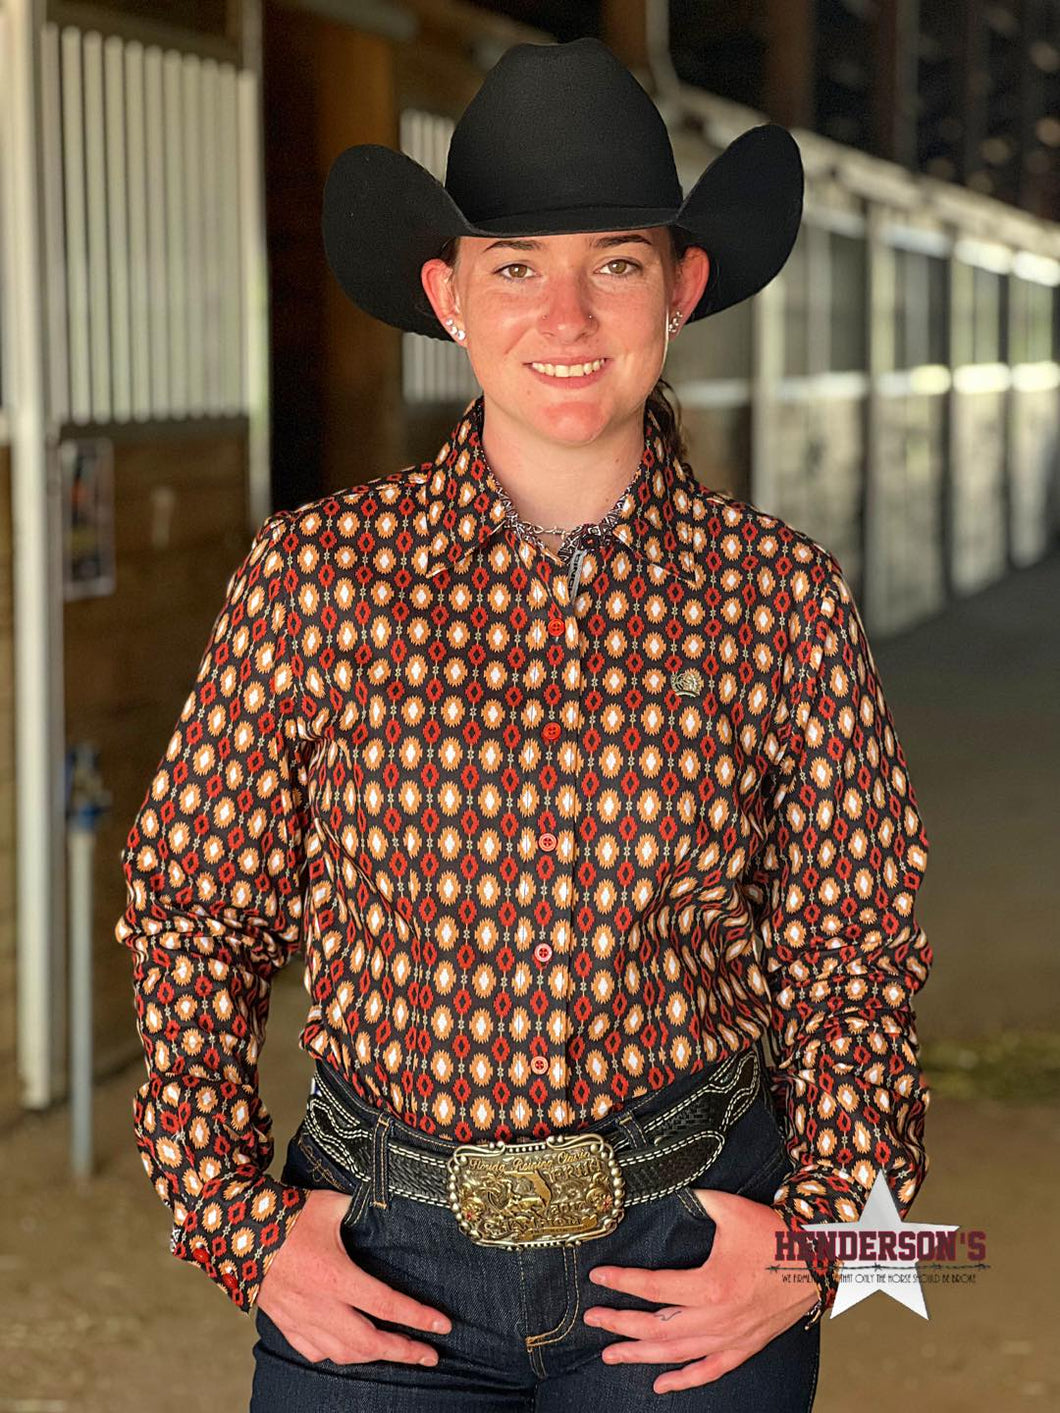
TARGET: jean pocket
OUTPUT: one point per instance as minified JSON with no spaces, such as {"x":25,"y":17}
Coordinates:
{"x":766,"y":1178}
{"x":751,"y":1164}
{"x":308,"y":1165}
{"x":690,"y":1202}
{"x":759,"y":1186}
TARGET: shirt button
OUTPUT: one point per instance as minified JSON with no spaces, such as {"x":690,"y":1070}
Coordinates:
{"x":547,"y":842}
{"x":539,"y":1064}
{"x":542,"y":952}
{"x":556,"y":627}
{"x":552,"y":731}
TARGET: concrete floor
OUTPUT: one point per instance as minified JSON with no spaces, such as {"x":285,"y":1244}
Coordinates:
{"x":974,"y":695}
{"x":97,"y":1316}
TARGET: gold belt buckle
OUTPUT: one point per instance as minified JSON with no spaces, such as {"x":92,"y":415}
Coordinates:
{"x":561,"y":1189}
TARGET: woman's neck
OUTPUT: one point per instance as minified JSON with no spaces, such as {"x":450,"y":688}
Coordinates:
{"x":550,"y":483}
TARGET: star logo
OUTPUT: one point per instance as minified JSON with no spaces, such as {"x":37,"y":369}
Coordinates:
{"x":881,"y":1268}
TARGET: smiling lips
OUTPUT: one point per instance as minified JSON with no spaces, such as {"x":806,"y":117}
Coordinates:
{"x":575,"y":371}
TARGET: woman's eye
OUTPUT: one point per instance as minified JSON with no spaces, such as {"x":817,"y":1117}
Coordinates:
{"x":618,"y":260}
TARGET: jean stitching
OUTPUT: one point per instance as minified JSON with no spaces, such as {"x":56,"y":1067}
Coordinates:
{"x":570,"y":1312}
{"x":522,"y":1296}
{"x":381,"y":1165}
{"x":630,"y":1124}
{"x":691,"y":1203}
{"x":357,"y":1207}
{"x":816,"y":1376}
{"x":321,"y":1172}
{"x":576,"y":1286}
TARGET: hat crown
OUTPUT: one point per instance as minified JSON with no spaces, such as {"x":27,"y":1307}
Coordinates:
{"x":541,"y":134}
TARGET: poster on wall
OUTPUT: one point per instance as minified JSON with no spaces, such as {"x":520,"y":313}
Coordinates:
{"x":87,"y":469}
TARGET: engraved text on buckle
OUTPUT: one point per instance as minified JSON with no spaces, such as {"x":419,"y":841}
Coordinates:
{"x":561,"y":1189}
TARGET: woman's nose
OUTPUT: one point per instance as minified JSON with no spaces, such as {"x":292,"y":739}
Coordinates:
{"x":568,"y":306}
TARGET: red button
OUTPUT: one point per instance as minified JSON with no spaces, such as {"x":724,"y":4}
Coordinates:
{"x":552,"y":731}
{"x":542,"y":951}
{"x":556,"y":626}
{"x":539,"y":1064}
{"x":547,"y":842}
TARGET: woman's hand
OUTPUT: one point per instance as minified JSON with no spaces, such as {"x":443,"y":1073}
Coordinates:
{"x":320,"y":1299}
{"x":717,"y":1314}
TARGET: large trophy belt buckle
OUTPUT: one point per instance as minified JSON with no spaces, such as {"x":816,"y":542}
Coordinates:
{"x":566,"y":1188}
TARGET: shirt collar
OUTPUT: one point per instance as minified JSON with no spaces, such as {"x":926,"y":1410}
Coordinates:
{"x":462,"y":505}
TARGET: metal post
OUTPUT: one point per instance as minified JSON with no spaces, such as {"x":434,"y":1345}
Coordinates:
{"x":86,"y":801}
{"x":256,"y":289}
{"x":37,"y":572}
{"x":876,"y":595}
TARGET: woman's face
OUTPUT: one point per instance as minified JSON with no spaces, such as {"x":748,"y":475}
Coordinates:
{"x":567,"y":300}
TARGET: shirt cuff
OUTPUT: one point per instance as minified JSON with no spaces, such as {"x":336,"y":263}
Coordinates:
{"x":234,"y":1232}
{"x":819,"y":1197}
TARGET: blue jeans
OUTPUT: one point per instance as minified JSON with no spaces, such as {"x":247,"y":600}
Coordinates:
{"x":518,"y":1341}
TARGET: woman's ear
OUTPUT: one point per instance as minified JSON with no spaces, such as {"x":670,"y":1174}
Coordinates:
{"x":437,"y":280}
{"x":692,"y":276}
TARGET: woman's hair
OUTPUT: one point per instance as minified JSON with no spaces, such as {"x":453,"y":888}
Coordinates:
{"x":668,"y":415}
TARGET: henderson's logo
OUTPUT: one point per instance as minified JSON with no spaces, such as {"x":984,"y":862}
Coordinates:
{"x":880,"y":1252}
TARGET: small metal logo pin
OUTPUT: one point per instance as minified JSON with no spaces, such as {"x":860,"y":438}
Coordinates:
{"x":687,"y":683}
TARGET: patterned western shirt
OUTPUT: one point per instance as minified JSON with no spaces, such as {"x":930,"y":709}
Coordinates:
{"x":541,"y":853}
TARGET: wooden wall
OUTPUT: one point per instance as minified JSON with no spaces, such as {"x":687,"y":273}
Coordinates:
{"x":336,"y":374}
{"x":131,"y":657}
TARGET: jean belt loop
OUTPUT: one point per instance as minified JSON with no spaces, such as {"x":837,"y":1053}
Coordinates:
{"x":381,"y":1162}
{"x":634,"y":1132}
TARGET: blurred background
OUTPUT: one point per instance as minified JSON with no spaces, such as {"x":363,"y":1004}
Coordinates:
{"x":176,"y":361}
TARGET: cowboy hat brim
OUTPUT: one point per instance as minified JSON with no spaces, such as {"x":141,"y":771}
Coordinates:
{"x":384,"y":216}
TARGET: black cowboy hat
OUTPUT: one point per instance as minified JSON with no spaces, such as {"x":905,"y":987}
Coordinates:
{"x":558,"y":138}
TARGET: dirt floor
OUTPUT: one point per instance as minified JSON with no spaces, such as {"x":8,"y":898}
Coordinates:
{"x":97,"y":1317}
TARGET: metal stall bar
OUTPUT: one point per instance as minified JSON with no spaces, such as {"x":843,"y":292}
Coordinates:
{"x":255,"y":295}
{"x":40,"y":815}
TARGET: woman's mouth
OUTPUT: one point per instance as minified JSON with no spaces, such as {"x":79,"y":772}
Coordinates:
{"x":571,"y":374}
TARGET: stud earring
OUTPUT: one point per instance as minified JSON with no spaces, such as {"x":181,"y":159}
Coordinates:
{"x":456,"y":333}
{"x":675,"y":323}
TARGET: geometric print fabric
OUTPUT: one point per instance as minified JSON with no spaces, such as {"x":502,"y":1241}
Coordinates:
{"x":540,"y":852}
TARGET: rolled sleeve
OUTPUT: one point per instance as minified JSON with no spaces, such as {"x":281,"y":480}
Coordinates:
{"x":843,"y":856}
{"x":214,"y":865}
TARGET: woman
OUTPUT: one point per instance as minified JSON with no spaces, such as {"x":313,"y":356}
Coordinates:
{"x":576,"y":783}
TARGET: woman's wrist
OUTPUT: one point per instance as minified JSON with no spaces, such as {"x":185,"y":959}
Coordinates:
{"x":821,"y":1286}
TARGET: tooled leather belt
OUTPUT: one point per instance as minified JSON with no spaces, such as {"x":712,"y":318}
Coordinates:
{"x":567,"y":1187}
